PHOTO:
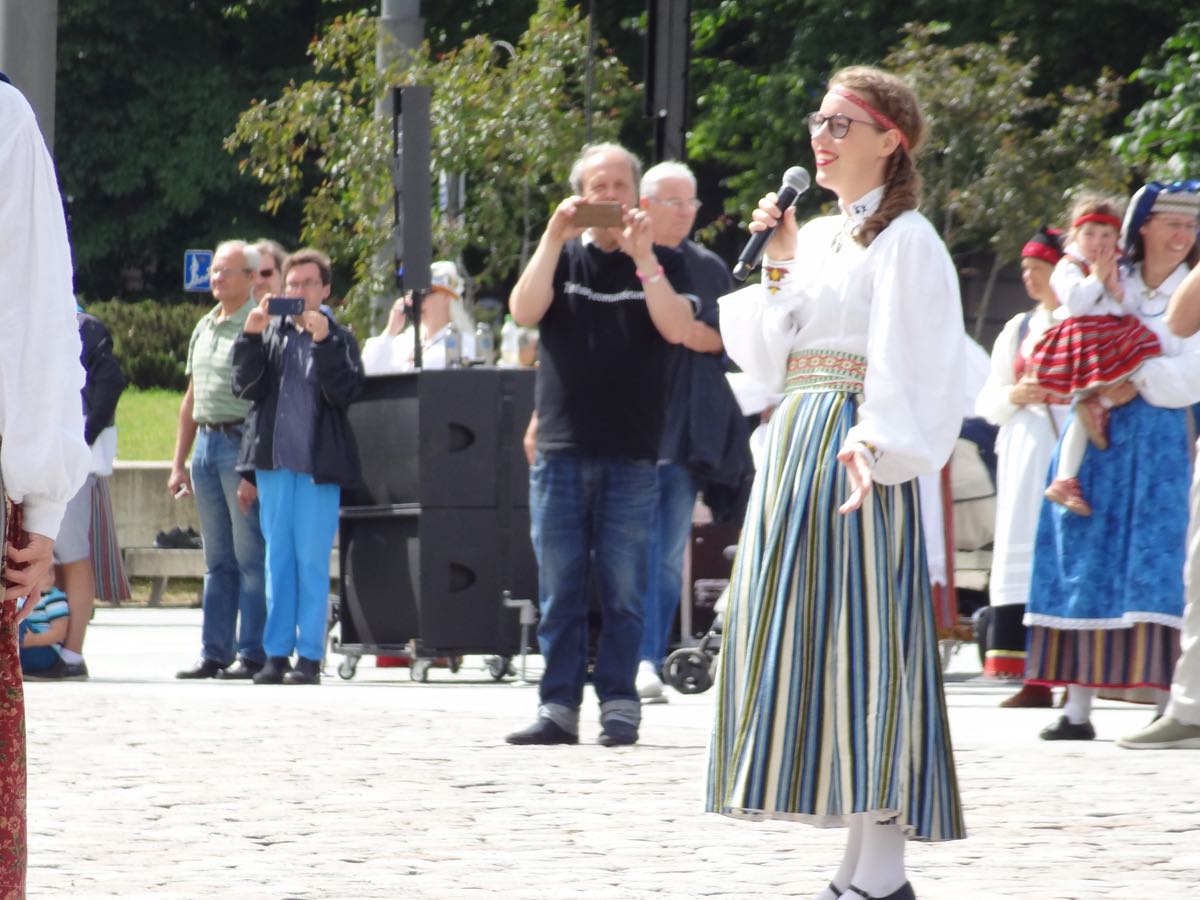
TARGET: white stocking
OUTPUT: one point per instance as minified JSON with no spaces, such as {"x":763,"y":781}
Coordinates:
{"x":856,"y":822}
{"x":1079,"y":703}
{"x":880,"y":869}
{"x":1070,"y":454}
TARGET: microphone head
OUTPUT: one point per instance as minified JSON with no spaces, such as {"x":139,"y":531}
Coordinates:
{"x":797,"y":179}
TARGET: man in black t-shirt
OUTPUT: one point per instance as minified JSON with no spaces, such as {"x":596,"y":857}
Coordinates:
{"x":606,"y":311}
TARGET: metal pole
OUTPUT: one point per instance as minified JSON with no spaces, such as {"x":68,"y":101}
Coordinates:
{"x":29,"y":55}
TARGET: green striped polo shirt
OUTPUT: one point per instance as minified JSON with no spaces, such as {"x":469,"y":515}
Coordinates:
{"x":210,"y":363}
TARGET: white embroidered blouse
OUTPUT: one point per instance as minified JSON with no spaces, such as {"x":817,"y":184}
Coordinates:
{"x":896,"y":303}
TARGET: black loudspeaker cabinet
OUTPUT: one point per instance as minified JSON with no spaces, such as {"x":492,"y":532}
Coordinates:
{"x":443,"y":438}
{"x":435,"y":575}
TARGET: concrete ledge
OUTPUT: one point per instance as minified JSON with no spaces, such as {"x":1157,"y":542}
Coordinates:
{"x":161,"y":565}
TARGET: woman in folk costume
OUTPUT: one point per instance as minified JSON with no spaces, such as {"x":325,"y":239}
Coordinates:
{"x":1030,"y":424}
{"x":1106,"y":598}
{"x":830,"y":707}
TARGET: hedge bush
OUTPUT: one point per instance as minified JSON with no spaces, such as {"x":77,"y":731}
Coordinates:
{"x":151,"y":338}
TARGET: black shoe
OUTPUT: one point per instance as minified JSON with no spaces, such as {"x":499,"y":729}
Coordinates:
{"x":206,"y":668}
{"x":543,"y":731}
{"x":273,"y":670}
{"x":904,"y":892}
{"x":1063,"y":730}
{"x":617,"y":734}
{"x":60,"y":671}
{"x":307,"y":671}
{"x":194,"y":540}
{"x":240,"y":670}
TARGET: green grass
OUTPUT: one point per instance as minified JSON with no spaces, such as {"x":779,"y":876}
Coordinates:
{"x":146,"y":422}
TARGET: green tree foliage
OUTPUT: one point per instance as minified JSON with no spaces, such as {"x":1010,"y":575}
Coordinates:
{"x":1164,"y":133}
{"x":511,"y":125}
{"x":150,"y":339}
{"x":999,"y":160}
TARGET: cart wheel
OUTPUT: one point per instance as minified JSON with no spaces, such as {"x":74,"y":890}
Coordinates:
{"x":499,"y":667}
{"x":347,"y":667}
{"x":419,"y":670}
{"x":455,"y":663}
{"x":689,"y":671}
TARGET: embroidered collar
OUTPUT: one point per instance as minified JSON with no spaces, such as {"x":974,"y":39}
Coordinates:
{"x":864,"y":207}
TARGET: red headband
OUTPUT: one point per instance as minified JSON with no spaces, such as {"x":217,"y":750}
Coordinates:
{"x":1038,"y":250}
{"x":1101,"y":218}
{"x":880,"y":119}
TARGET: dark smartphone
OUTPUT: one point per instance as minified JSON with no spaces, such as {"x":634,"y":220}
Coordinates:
{"x":285,"y":306}
{"x":606,"y":214}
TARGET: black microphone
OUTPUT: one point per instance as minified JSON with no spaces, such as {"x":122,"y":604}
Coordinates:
{"x":795,"y":183}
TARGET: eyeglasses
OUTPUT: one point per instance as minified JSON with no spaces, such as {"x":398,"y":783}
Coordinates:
{"x":303,"y":285}
{"x":677,"y":204}
{"x":226,"y":270}
{"x":266,"y":273}
{"x":838,"y":124}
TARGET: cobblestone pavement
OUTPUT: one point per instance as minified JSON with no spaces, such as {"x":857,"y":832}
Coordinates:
{"x":141,"y":785}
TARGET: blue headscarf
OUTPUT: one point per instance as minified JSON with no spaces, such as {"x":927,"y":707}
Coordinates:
{"x":1142,"y":205}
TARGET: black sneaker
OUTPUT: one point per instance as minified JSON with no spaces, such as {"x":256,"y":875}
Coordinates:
{"x":543,"y":731}
{"x":60,"y":671}
{"x":307,"y":671}
{"x":194,"y":541}
{"x":242,"y":670}
{"x":204,"y":668}
{"x":175,"y":539}
{"x":1064,"y":730}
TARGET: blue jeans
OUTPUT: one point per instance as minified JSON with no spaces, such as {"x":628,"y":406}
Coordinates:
{"x":234,"y":581}
{"x":299,"y":520}
{"x":587,"y":512}
{"x":672,"y":526}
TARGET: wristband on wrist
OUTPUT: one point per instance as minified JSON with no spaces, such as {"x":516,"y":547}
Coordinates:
{"x":870,"y":452}
{"x":649,"y":279}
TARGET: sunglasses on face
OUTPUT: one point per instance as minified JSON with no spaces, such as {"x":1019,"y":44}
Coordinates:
{"x":266,"y":273}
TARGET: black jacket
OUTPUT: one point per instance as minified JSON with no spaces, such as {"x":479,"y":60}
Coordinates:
{"x":105,"y":381}
{"x":257,"y":368}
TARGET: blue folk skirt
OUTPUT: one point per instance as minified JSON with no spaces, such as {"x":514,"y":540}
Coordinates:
{"x":830,"y":696}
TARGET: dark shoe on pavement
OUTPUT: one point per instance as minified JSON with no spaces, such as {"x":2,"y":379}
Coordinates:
{"x":307,"y":671}
{"x":1063,"y":730}
{"x":904,"y":892}
{"x":273,"y":670}
{"x":617,"y":734}
{"x":241,"y":670}
{"x":543,"y":731}
{"x":205,"y":668}
{"x":60,"y":671}
{"x":1030,"y":696}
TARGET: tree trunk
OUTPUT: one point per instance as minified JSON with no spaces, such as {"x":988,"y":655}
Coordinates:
{"x":986,"y":300}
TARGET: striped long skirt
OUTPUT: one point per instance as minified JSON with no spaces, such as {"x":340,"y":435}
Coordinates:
{"x":830,"y":695}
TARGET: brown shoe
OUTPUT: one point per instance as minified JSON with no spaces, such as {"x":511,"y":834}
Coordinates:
{"x":1066,"y":492}
{"x":1093,"y":415}
{"x":1030,"y":696}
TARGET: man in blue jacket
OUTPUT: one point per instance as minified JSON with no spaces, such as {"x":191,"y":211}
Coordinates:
{"x":301,"y":372}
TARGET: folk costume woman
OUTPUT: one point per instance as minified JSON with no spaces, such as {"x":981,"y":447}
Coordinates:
{"x":830,"y":707}
{"x":1106,"y":599}
{"x":1030,"y":426}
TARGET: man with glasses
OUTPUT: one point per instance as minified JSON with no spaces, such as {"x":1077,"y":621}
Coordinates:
{"x":705,"y":444}
{"x":301,"y":371}
{"x":212,"y":419}
{"x":269,"y":279}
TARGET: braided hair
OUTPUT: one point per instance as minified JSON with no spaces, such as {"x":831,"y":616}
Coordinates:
{"x":901,"y":182}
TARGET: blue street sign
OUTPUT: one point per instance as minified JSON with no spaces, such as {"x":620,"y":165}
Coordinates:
{"x":196,"y":264}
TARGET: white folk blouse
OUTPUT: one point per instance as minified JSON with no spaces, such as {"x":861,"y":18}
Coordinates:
{"x":42,"y":454}
{"x":896,"y":303}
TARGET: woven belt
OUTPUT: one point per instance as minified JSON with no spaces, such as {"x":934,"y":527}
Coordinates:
{"x":825,"y":370}
{"x":223,"y":427}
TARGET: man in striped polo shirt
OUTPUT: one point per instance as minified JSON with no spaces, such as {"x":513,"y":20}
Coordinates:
{"x":212,"y":418}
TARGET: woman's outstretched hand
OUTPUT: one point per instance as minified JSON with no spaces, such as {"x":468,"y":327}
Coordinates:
{"x":859,"y":469}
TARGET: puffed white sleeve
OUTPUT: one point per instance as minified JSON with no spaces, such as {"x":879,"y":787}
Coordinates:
{"x":759,"y":323}
{"x":993,"y":403}
{"x":912,"y":408}
{"x":1079,"y":292}
{"x":1172,"y":382}
{"x":42,"y":451}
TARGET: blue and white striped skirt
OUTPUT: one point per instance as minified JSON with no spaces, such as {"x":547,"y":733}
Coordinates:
{"x":829,"y":684}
